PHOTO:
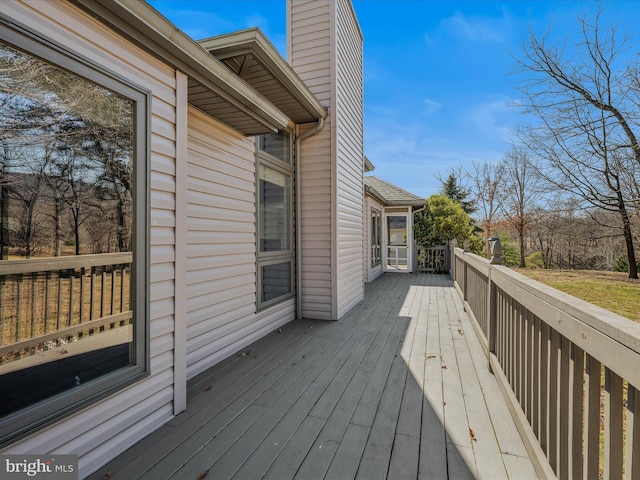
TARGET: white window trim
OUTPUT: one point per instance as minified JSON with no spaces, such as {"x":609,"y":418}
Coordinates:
{"x":277,"y":257}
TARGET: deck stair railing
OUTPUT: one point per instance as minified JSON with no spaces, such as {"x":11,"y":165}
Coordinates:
{"x":569,"y":370}
{"x":45,"y":302}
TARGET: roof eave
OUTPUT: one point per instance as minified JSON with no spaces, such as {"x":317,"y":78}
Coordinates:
{"x":253,"y":41}
{"x":142,"y":24}
{"x":368,"y":165}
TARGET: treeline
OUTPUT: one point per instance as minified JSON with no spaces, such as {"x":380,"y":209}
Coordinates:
{"x":567,"y":194}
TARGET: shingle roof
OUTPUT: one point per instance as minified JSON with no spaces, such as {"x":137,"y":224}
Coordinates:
{"x":390,"y":194}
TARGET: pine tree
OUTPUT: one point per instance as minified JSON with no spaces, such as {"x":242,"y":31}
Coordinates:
{"x":456,"y":192}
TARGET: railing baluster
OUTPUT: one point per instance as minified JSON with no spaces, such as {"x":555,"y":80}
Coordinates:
{"x":103,"y":289}
{"x":3,"y":309}
{"x":529,"y":363}
{"x":613,"y":425}
{"x":535,"y":407}
{"x":59,"y":306}
{"x":33,"y":304}
{"x":592,"y":418}
{"x":520,"y":368}
{"x":553,"y":401}
{"x":71,"y":296}
{"x":19,"y":308}
{"x":122,"y":281}
{"x":513,"y":341}
{"x":632,"y":469}
{"x":92,"y":287}
{"x":508,"y":338}
{"x":504,"y":333}
{"x":577,"y":413}
{"x":47,"y":279}
{"x":565,"y":384}
{"x":544,"y":387}
{"x":114,"y":276}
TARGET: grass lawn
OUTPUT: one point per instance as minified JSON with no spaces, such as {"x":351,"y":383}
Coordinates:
{"x":611,"y":290}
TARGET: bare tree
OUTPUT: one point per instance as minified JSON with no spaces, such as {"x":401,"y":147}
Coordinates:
{"x":585,"y":142}
{"x":521,"y":191}
{"x":487,"y":180}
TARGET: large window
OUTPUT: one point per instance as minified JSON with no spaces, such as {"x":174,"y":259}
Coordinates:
{"x":376,"y":237}
{"x":275,"y":219}
{"x":73,"y":232}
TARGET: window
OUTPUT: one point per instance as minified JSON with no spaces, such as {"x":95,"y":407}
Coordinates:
{"x":376,"y":235}
{"x":73,"y":233}
{"x":275,"y":218}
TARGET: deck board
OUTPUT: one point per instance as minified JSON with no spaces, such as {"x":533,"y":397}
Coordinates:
{"x":389,"y":391}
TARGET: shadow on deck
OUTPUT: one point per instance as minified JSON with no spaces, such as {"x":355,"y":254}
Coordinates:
{"x":399,"y":388}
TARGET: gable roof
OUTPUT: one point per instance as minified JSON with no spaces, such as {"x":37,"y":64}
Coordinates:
{"x":390,"y":194}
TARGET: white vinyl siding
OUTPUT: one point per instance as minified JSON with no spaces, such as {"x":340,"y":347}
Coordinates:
{"x":325,"y":49}
{"x":310,"y":56}
{"x":349,"y":112}
{"x":135,"y":411}
{"x":221,"y":246}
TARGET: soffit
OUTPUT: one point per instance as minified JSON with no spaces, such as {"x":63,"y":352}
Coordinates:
{"x":212,"y":87}
{"x":250,"y":56}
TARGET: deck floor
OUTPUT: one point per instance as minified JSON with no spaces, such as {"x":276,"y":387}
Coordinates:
{"x":399,"y":388}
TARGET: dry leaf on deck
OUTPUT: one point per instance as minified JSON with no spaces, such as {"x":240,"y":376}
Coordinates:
{"x":203,"y":474}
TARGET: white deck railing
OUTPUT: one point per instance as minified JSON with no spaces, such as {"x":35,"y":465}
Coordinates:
{"x":570,"y":370}
{"x":46,"y":301}
{"x":431,"y":259}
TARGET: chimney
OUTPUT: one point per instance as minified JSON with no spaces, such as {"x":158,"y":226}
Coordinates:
{"x":325,"y":49}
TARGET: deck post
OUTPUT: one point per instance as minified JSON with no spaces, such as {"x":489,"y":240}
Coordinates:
{"x":452,"y":258}
{"x":496,"y":251}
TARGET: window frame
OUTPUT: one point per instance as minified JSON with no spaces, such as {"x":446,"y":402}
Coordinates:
{"x":376,"y":218}
{"x":51,"y":410}
{"x":286,"y":168}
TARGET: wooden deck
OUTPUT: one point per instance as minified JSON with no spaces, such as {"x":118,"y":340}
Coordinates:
{"x":399,"y":388}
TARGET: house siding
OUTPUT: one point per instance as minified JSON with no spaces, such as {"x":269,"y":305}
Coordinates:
{"x":221,"y":246}
{"x":106,"y":428}
{"x":350,"y":157}
{"x":309,"y":51}
{"x":325,"y":49}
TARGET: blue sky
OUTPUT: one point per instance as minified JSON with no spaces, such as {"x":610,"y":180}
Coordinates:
{"x":438,"y":74}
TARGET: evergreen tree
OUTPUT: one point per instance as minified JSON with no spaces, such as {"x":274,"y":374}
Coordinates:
{"x":442,"y":220}
{"x":455,"y":191}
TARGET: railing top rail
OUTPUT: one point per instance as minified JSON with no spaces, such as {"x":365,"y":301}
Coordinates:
{"x":48,"y":264}
{"x":437,"y":247}
{"x":479,"y":263}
